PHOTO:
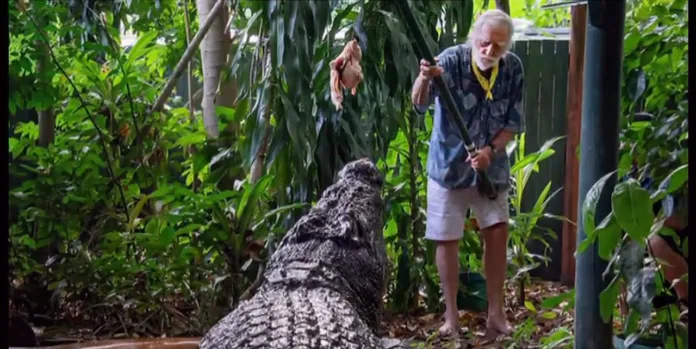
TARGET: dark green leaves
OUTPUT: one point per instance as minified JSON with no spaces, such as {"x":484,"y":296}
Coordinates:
{"x":248,"y":204}
{"x":676,"y":179}
{"x":140,"y":49}
{"x":608,"y":236}
{"x":633,"y":209}
{"x":607,"y":300}
{"x":589,"y":209}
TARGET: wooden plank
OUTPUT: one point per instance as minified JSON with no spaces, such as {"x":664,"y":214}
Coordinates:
{"x":560,"y":105}
{"x":578,"y":19}
{"x":520,"y":49}
{"x":559,"y":125}
{"x":548,"y":168}
{"x":546,"y":116}
{"x":532,"y":78}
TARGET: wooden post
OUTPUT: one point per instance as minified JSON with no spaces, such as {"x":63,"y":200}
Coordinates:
{"x":578,"y":24}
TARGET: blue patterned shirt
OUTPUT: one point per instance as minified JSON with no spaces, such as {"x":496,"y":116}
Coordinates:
{"x":483,"y":118}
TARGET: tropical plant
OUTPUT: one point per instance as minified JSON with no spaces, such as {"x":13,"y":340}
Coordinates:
{"x":655,"y":128}
{"x":632,"y":213}
{"x":654,"y":152}
{"x":129,"y":173}
{"x":524,"y":225}
{"x":655,"y":147}
{"x":163,"y":203}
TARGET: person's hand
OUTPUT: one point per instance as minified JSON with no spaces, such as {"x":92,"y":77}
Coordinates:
{"x":482,"y":159}
{"x":428,"y":71}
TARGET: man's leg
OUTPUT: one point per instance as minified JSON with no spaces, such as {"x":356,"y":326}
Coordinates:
{"x":495,"y":262}
{"x":447,"y":260}
{"x":492,"y":217}
{"x":445,"y":226}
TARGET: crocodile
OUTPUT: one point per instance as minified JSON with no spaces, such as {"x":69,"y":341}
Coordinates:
{"x":324,"y":284}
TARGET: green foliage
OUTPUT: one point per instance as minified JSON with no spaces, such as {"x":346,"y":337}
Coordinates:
{"x":524,"y":225}
{"x":654,"y":153}
{"x":158,"y":221}
{"x":531,"y":10}
{"x":545,"y":18}
{"x":194,"y":233}
{"x":655,"y":87}
{"x":631,"y":213}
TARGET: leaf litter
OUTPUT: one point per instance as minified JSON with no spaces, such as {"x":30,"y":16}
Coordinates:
{"x":545,"y":318}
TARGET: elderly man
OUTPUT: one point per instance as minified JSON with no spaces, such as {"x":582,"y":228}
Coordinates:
{"x":486,"y":82}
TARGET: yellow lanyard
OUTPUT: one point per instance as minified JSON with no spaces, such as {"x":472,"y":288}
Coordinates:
{"x":486,"y":84}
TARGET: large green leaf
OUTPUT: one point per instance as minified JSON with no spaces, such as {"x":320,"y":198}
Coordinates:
{"x":135,"y":212}
{"x":540,"y":205}
{"x":676,"y":179}
{"x":608,"y":236}
{"x":248,"y":203}
{"x":140,"y":48}
{"x":632,"y":208}
{"x":589,"y":209}
{"x":607,"y":299}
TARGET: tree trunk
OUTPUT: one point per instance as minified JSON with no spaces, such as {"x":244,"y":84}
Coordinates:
{"x":46,"y":127}
{"x":503,"y":5}
{"x":214,"y":51}
{"x":47,"y":121}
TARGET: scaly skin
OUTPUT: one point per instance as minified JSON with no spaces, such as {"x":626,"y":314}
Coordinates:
{"x":323,"y":287}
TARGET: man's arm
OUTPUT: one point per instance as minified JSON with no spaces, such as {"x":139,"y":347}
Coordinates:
{"x":501,"y":140}
{"x":423,"y":93}
{"x":420,"y":93}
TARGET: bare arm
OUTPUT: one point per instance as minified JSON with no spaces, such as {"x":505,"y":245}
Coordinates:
{"x":501,"y":140}
{"x":420,"y":93}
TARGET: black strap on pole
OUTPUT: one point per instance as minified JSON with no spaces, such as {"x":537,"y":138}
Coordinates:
{"x":485,"y":186}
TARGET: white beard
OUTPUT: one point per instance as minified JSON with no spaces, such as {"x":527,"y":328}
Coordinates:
{"x":485,"y":64}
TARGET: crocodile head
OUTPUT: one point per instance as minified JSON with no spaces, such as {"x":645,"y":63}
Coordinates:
{"x":362,"y":170}
{"x":340,"y":239}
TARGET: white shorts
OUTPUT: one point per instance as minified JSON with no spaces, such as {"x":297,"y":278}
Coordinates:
{"x":447,"y":210}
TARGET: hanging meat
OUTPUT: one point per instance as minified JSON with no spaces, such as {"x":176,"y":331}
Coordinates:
{"x":346,"y":72}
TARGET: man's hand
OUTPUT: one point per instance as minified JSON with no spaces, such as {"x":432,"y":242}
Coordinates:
{"x":429,"y":72}
{"x":420,"y":91}
{"x":482,"y":159}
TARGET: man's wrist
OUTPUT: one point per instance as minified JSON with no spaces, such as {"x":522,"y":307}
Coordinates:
{"x":495,"y":151}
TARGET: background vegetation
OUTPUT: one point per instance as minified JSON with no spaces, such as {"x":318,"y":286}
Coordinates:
{"x":154,"y":222}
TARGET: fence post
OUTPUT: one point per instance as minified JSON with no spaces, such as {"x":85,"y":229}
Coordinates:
{"x":578,"y":26}
{"x":599,"y":155}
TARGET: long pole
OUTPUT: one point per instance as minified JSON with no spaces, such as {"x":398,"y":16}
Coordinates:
{"x":484,"y":184}
{"x":599,"y":142}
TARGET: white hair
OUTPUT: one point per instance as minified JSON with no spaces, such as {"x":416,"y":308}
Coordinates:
{"x":494,"y":18}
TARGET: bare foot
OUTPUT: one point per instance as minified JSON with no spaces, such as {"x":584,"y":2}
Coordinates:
{"x":449,"y":329}
{"x":498,"y":325}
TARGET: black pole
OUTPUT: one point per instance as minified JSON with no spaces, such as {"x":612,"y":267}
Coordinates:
{"x":599,"y":142}
{"x":485,"y":186}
